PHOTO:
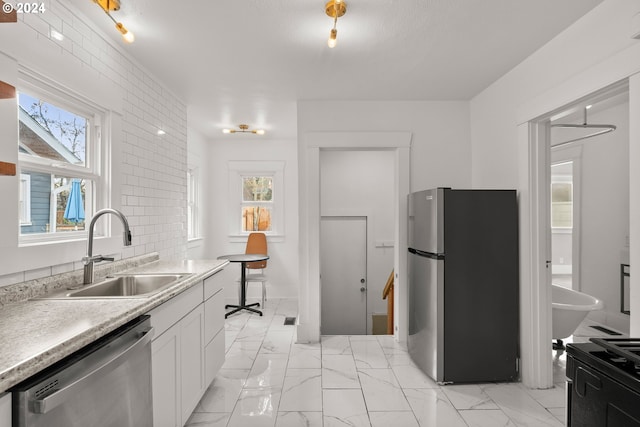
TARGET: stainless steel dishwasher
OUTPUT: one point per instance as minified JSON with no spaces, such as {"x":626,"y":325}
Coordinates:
{"x":107,"y":383}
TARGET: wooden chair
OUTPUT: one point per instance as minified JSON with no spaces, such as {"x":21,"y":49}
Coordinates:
{"x":257,"y":244}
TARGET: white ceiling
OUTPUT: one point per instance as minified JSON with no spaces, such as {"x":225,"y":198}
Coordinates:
{"x":249,"y":61}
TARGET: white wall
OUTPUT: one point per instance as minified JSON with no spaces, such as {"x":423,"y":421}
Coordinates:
{"x":439,"y":156}
{"x":198,"y":159}
{"x":605,"y":214}
{"x":599,"y":35}
{"x":149,"y":171}
{"x":361,"y":183}
{"x":440,"y":145}
{"x":282,"y":267}
{"x":593,"y":53}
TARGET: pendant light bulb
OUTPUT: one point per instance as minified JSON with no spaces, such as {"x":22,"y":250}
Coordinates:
{"x":126,"y":34}
{"x":332,"y":38}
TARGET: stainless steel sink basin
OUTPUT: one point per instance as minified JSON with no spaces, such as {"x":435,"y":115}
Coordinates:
{"x":124,"y":286}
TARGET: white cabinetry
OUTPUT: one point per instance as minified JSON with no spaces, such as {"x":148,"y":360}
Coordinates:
{"x":5,"y":409}
{"x":192,"y":361}
{"x":165,"y":357}
{"x":213,"y":327}
{"x":187,"y":351}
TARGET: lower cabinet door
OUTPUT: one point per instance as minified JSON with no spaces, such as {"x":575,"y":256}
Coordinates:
{"x":214,"y":357}
{"x":165,"y":357}
{"x":192,"y":360}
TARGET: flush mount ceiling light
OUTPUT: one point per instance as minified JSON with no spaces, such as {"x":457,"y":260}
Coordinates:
{"x":109,"y":6}
{"x":334,"y":9}
{"x":244,"y":129}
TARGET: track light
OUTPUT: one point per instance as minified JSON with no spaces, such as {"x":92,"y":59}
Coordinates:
{"x":113,"y":5}
{"x":334,"y":9}
{"x":244,"y":129}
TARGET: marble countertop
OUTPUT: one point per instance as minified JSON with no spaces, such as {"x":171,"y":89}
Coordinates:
{"x":37,"y":333}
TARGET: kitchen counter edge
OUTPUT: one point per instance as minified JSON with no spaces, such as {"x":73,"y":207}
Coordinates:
{"x":37,"y":333}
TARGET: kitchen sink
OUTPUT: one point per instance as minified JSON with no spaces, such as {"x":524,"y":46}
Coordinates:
{"x":124,"y":286}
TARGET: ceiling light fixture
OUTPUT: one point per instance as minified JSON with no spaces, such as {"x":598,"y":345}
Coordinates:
{"x":110,"y":6}
{"x":244,"y":129}
{"x":334,"y":9}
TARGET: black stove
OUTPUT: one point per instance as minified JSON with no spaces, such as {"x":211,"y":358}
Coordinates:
{"x":603,"y":386}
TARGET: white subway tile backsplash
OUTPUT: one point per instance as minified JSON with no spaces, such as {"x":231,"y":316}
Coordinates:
{"x":37,"y":274}
{"x":71,"y":33}
{"x":153,"y":172}
{"x":10,"y":279}
{"x":62,"y":268}
{"x":80,"y":53}
{"x":37,"y":23}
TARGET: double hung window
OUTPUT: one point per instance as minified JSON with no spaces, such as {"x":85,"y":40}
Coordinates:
{"x":256,"y":197}
{"x":59,"y":156}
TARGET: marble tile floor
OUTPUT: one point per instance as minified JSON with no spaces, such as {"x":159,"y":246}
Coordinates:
{"x":270,"y":380}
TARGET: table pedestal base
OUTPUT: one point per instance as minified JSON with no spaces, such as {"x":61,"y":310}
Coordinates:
{"x":237,"y":308}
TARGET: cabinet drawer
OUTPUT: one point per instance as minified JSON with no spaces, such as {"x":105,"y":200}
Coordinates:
{"x":168,"y":313}
{"x":214,"y":357}
{"x":213,"y":284}
{"x":213,"y":316}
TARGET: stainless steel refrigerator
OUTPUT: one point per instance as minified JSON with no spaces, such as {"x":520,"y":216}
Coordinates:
{"x":464,"y":284}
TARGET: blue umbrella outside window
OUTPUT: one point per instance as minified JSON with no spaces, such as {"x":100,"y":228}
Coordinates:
{"x":74,"y":211}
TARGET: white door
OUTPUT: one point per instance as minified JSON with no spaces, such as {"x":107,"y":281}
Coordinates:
{"x":343,"y":275}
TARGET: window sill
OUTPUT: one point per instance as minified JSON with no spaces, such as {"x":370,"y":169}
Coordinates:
{"x":195,"y":242}
{"x":242,"y":238}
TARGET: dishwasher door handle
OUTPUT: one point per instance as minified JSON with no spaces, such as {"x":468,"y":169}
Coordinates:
{"x":42,"y":406}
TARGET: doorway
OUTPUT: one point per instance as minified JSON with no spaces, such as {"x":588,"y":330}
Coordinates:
{"x":539,"y":146}
{"x":360,"y":184}
{"x":316,"y":144}
{"x":565,"y":215}
{"x":589,"y":200}
{"x":343,"y":275}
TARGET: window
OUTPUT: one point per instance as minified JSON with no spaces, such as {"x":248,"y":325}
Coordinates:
{"x":256,"y":197}
{"x":561,"y":205}
{"x":257,"y":203}
{"x":193,"y":213}
{"x":59,"y":160}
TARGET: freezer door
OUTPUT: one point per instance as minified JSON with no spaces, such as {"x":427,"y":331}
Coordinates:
{"x":426,"y":220}
{"x":426,"y":314}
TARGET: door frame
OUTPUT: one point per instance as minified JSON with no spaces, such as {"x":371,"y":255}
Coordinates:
{"x":308,"y":328}
{"x":533,"y":163}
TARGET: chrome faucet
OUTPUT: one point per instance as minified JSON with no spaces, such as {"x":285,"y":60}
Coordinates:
{"x":90,"y":259}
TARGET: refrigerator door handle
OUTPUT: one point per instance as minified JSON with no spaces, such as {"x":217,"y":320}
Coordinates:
{"x":426,"y":254}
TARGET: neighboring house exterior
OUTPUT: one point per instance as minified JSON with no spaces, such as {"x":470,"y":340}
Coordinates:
{"x":36,"y":188}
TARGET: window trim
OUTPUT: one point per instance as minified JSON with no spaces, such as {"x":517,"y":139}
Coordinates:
{"x":240,"y":169}
{"x":24,"y":203}
{"x":193,"y":204}
{"x":98,"y":155}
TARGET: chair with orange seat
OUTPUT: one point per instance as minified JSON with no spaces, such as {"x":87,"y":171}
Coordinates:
{"x":257,"y":244}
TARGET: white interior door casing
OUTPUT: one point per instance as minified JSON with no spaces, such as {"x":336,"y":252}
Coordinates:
{"x":343,"y":280}
{"x":308,"y":328}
